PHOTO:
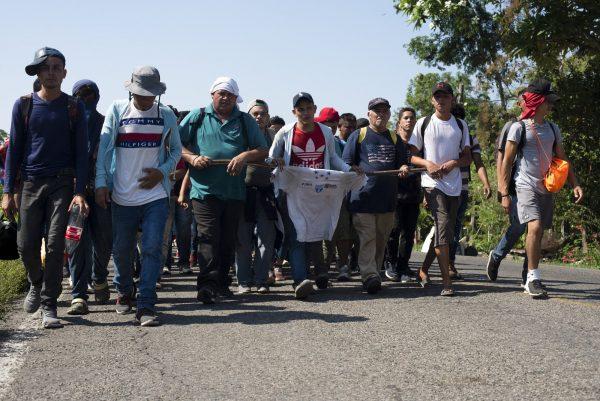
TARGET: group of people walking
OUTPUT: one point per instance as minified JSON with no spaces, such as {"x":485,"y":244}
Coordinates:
{"x":244,"y":190}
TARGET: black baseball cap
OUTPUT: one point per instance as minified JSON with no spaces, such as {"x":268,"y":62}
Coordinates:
{"x":543,"y":87}
{"x":378,"y":101}
{"x":40,"y":56}
{"x":442,"y":87}
{"x":302,"y":96}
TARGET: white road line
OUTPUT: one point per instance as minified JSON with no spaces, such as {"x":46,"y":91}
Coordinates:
{"x":13,"y":350}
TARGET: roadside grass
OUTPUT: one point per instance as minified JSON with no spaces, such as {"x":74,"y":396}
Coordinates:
{"x":13,"y":282}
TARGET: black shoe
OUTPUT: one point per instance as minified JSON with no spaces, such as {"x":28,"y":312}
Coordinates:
{"x":206,"y":295}
{"x":536,"y":289}
{"x":322,"y":281}
{"x":492,"y":268}
{"x":225,"y":292}
{"x":146,"y":317}
{"x":372,"y":285}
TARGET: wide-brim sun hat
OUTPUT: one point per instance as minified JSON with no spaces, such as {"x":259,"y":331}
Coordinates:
{"x":145,"y":81}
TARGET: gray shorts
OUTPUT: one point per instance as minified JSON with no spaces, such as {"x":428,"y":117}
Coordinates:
{"x":443,"y":210}
{"x":534,"y":206}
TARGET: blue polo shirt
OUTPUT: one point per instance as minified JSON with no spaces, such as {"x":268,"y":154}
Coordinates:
{"x":219,"y":140}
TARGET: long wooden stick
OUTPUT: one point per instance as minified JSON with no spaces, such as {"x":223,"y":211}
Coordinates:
{"x":220,"y":162}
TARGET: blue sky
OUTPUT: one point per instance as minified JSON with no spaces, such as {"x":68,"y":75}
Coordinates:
{"x":342,"y":52}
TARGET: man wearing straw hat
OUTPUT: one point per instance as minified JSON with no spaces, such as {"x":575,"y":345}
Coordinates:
{"x":139,"y":147}
{"x":218,"y":132}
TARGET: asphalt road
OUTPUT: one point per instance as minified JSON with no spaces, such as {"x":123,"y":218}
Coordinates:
{"x":490,"y":342}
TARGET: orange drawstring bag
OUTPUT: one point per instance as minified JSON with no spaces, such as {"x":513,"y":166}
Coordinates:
{"x":558,"y":172}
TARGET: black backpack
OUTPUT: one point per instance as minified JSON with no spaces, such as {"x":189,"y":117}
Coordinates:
{"x":8,"y":240}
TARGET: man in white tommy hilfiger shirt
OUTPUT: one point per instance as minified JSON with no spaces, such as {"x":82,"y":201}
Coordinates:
{"x":139,"y":147}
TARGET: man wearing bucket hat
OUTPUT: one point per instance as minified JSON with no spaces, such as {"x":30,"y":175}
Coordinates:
{"x":139,"y":148}
{"x":48,"y":147}
{"x":219,"y":131}
{"x":534,"y":141}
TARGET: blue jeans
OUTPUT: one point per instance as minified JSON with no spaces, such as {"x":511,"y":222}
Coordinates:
{"x":182,"y":220}
{"x":300,"y":253}
{"x":90,"y":258}
{"x":512,"y":235}
{"x":263,"y":247}
{"x":463,"y":205}
{"x":151,"y":217}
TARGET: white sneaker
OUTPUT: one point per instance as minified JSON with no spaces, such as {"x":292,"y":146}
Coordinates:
{"x":244,"y":289}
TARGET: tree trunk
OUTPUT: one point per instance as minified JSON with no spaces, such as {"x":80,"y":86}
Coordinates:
{"x":500,"y":88}
{"x":584,"y":244}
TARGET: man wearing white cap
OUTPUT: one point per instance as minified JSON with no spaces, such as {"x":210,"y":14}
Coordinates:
{"x":219,"y":131}
{"x":139,"y":148}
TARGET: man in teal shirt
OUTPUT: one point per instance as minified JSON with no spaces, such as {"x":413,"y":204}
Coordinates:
{"x":219,"y":131}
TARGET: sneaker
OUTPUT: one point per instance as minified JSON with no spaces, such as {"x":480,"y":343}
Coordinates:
{"x":408,"y":276}
{"x":372,"y":285}
{"x":322,"y":281}
{"x":193,"y":258}
{"x":33,"y":299}
{"x":90,"y":288}
{"x":271,"y":278}
{"x":535,"y":289}
{"x":186,"y":269}
{"x":78,"y":307}
{"x":263,"y":289}
{"x":344,"y":274}
{"x":124,"y":304}
{"x":492,"y":268}
{"x":244,"y":289}
{"x":49,"y":318}
{"x":206,"y":295}
{"x":146,"y":317}
{"x":166,"y":271}
{"x":447,"y":292}
{"x":278,"y":272}
{"x":303,"y":289}
{"x":101,"y":292}
{"x":391,"y":275}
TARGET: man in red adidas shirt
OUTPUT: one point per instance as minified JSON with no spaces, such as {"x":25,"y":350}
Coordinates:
{"x":306,"y":144}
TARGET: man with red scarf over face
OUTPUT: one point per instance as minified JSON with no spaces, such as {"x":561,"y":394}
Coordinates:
{"x":534,"y":141}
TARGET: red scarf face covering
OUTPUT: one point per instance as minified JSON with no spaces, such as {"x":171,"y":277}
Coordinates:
{"x":532,"y":102}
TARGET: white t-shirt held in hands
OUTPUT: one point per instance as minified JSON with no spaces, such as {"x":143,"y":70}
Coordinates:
{"x":314,"y":198}
{"x":444,"y":141}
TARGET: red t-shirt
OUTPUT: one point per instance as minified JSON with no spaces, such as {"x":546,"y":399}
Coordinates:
{"x":308,"y":148}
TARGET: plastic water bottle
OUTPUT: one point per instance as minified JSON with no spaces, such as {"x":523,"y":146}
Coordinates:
{"x":74,"y":230}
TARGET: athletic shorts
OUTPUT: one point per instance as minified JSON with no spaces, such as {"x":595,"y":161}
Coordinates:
{"x":535,"y":206}
{"x":443,"y":210}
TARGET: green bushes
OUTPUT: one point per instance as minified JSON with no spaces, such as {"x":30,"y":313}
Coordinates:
{"x":13,"y":282}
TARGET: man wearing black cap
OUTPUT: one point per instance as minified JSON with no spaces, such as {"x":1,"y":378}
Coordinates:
{"x":441,"y":144}
{"x":48,"y":148}
{"x":534,"y":141}
{"x":375,"y":148}
{"x":304,"y":143}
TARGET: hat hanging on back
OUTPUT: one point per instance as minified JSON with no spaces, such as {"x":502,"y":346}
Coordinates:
{"x":40,"y":57}
{"x":145,"y":81}
{"x":227,"y":84}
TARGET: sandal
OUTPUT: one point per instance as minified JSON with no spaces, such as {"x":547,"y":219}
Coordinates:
{"x":423,"y":279}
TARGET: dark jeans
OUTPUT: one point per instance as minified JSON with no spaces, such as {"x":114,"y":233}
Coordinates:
{"x":458,"y":225}
{"x":90,"y":259}
{"x":402,"y":237}
{"x":182,"y":220}
{"x":44,"y":203}
{"x":217,"y":222}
